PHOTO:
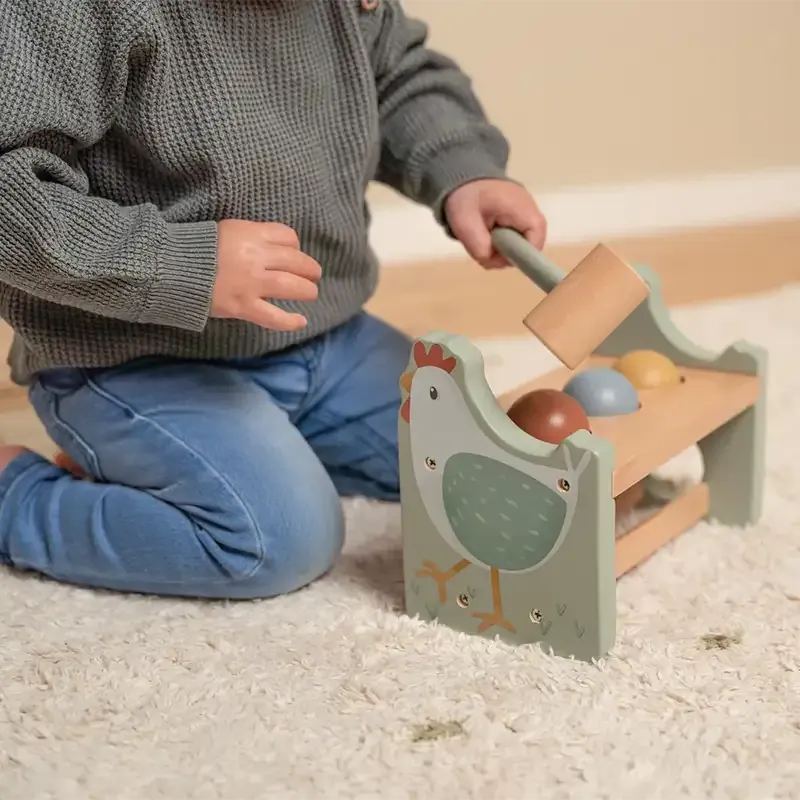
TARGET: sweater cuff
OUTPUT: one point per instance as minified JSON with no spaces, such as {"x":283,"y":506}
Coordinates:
{"x":452,"y":168}
{"x":187,"y":269}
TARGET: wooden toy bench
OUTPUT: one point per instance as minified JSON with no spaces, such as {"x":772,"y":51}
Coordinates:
{"x":539,"y":560}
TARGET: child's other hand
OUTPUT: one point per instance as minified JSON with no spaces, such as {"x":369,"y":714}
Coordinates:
{"x":256,"y":262}
{"x":475,"y":209}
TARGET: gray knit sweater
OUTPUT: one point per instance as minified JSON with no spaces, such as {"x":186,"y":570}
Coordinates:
{"x":128,"y":128}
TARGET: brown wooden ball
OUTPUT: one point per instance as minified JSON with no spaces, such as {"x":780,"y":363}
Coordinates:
{"x":548,"y":415}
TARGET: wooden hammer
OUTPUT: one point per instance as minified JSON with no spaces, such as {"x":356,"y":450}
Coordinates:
{"x":581,"y":309}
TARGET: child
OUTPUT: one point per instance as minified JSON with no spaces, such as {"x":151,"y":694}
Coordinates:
{"x":184,"y":259}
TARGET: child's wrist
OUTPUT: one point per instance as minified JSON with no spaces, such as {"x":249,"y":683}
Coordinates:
{"x":180,"y":296}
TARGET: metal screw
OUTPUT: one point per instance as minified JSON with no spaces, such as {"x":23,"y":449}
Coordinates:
{"x":463,"y":600}
{"x":563,"y":484}
{"x":430,"y":463}
{"x":536,"y":616}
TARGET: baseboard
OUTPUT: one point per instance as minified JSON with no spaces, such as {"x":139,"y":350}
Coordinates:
{"x":455,"y":295}
{"x":403,"y":233}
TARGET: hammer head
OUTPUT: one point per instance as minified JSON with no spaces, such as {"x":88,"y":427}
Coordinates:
{"x":580,"y":312}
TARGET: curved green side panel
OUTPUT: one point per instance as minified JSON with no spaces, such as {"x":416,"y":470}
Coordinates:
{"x":566,"y":600}
{"x":568,"y":603}
{"x":734,"y":453}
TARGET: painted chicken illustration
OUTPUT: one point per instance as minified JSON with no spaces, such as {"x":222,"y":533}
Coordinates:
{"x":496,"y":510}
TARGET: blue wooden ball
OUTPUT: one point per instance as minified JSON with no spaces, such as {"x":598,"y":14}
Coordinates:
{"x":603,"y":392}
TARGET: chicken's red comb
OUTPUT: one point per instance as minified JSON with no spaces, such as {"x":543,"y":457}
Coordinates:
{"x":433,"y":357}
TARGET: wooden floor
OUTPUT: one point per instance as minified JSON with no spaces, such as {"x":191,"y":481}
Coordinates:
{"x":457,"y":296}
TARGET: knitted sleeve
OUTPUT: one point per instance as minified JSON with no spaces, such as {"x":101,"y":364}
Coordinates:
{"x":435,"y":134}
{"x":63,"y":75}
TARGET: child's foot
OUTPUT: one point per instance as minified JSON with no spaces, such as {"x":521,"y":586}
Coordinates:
{"x":8,"y":452}
{"x":62,"y":460}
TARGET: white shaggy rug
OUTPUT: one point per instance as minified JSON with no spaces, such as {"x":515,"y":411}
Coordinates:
{"x":334,"y":693}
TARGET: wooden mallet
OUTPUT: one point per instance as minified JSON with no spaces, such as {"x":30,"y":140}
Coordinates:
{"x":581,"y":308}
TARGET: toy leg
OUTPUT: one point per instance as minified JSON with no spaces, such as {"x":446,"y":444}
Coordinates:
{"x":734,"y":467}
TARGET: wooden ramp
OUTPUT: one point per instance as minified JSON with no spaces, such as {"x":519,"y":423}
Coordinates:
{"x":669,"y":420}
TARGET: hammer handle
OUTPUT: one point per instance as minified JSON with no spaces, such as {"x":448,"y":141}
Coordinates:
{"x":523,"y":255}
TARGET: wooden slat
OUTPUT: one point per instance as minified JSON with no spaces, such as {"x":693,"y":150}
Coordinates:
{"x":669,"y":421}
{"x":664,"y":526}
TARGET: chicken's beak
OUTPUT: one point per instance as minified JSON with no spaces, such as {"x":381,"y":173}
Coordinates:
{"x":405,"y":381}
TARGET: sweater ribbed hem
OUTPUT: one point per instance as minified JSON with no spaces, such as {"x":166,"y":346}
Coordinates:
{"x":340,"y":299}
{"x":455,"y":167}
{"x":187,"y":269}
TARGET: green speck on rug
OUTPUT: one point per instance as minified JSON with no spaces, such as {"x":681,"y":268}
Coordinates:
{"x":431,"y":731}
{"x":720,"y":641}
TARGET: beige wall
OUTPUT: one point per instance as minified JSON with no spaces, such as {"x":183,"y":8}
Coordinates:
{"x":595,"y":91}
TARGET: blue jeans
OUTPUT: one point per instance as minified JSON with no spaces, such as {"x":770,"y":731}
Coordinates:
{"x":219,"y":480}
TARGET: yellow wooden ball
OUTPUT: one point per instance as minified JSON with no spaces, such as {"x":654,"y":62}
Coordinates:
{"x":647,"y":369}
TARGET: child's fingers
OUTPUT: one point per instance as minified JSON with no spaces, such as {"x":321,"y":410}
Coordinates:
{"x":286,"y":286}
{"x":471,"y":230}
{"x":273,"y":318}
{"x":529,"y":221}
{"x":279,"y":234}
{"x":496,"y":261}
{"x":287,"y":259}
{"x":536,"y":234}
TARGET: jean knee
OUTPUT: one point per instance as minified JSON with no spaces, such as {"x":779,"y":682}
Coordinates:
{"x":243,"y":507}
{"x":300,"y":544}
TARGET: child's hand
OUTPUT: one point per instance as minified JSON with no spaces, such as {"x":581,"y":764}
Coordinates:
{"x":260,"y":260}
{"x":475,"y":209}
